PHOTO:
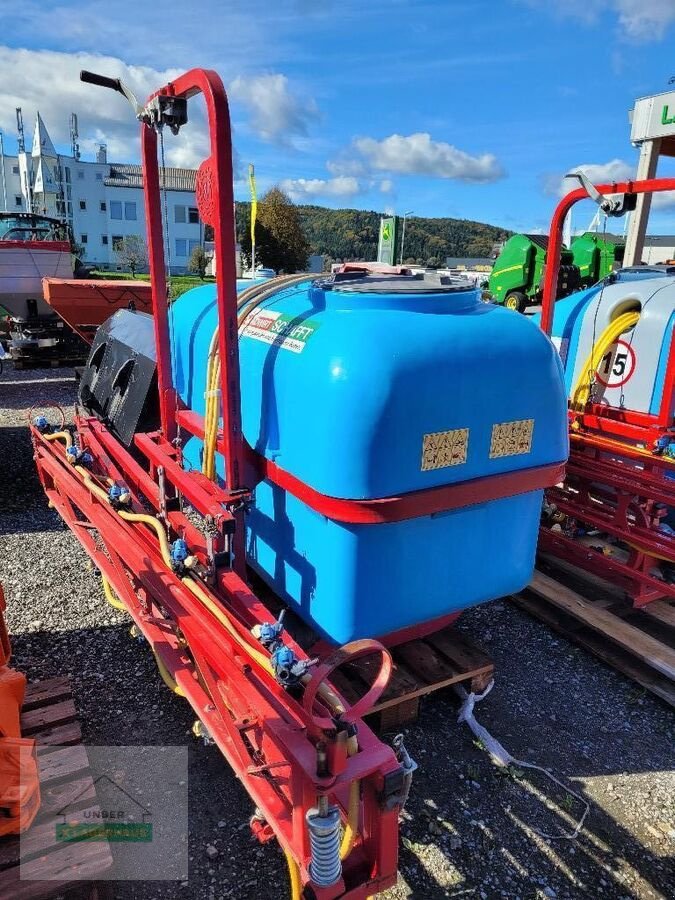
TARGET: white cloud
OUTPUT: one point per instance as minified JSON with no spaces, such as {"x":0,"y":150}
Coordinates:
{"x":49,"y":81}
{"x":307,"y":188}
{"x":646,"y":20}
{"x":276,"y":112}
{"x":639,"y":20}
{"x":418,"y":154}
{"x":598,"y":173}
{"x":663,"y":200}
{"x":386,"y":185}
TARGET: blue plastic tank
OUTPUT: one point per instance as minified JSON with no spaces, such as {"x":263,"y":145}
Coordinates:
{"x":375,"y":386}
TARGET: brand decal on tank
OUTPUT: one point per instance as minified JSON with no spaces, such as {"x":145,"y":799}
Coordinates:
{"x":280,"y":329}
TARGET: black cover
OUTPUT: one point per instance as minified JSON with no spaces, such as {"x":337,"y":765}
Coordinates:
{"x":119,"y":384}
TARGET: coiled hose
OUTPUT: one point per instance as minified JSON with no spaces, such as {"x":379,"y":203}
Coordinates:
{"x":582,"y":388}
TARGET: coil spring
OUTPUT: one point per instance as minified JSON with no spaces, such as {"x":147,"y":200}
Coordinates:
{"x":324,"y":838}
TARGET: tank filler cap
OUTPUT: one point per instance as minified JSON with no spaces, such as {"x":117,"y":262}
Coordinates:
{"x":379,"y":283}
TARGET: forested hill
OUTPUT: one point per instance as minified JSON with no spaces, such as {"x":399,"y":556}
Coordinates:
{"x":351,"y":234}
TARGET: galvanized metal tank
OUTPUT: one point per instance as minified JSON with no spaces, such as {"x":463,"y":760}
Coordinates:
{"x":371,"y":387}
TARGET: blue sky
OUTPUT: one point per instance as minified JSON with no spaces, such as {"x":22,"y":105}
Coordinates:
{"x":443,"y":107}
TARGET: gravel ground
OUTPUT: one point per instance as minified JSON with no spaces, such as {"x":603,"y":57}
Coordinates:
{"x":470,"y":829}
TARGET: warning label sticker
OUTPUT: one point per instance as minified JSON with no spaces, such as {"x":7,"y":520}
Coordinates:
{"x":511,"y":438}
{"x":280,"y":330}
{"x":444,"y":448}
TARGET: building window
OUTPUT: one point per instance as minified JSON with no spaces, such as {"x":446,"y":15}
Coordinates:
{"x":103,"y":206}
{"x":192,"y":246}
{"x":18,"y":200}
{"x":104,"y":240}
{"x":83,"y":239}
{"x":83,"y":204}
{"x":181,"y":247}
{"x":67,"y":174}
{"x":179,"y":215}
{"x":15,"y":170}
{"x":99,"y":176}
{"x":130,"y":211}
{"x":80,"y":174}
{"x":117,"y":242}
{"x":115,"y":209}
{"x":193,"y":215}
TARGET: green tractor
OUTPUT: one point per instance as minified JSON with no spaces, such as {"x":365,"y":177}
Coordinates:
{"x":518,"y":273}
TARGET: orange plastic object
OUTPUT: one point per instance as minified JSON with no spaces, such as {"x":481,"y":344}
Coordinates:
{"x":19,"y":778}
{"x":86,"y":304}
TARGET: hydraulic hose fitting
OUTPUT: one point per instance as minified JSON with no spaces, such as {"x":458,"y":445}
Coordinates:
{"x":287,"y":668}
{"x":43,"y":425}
{"x":269,"y":633}
{"x":408,"y":765}
{"x":181,"y":560}
{"x":119,"y":495}
{"x":78,"y":457}
{"x":323,"y":822}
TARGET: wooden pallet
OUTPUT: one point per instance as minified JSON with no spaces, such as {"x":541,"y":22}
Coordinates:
{"x":639,"y":643}
{"x":421,"y":666}
{"x":48,"y":716}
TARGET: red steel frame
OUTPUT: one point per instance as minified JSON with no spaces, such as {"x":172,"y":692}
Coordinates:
{"x":269,"y":737}
{"x":614,"y":483}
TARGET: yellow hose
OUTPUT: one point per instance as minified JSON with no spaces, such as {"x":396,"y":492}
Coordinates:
{"x":110,"y":595}
{"x":247,"y":302}
{"x":582,"y":388}
{"x":294,"y":875}
{"x":166,"y":677}
{"x":60,"y":436}
{"x":352,"y":823}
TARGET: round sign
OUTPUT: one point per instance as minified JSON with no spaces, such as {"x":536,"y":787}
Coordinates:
{"x":617,"y":365}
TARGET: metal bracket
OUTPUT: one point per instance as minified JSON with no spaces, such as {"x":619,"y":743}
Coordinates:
{"x":162,"y":110}
{"x":611,"y":206}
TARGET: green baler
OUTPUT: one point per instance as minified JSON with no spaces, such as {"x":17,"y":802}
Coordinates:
{"x":597,"y":255}
{"x":517,"y":275}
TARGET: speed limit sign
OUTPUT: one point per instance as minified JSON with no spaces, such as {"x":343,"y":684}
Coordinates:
{"x":617,"y":365}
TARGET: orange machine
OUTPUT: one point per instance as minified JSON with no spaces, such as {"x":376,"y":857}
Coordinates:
{"x":19,"y":780}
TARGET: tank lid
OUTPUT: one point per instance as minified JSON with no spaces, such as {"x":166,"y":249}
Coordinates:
{"x":379,"y":283}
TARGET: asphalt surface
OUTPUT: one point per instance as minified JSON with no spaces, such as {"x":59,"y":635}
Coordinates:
{"x":470,"y":828}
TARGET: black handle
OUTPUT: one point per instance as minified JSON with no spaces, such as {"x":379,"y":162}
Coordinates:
{"x":101,"y":80}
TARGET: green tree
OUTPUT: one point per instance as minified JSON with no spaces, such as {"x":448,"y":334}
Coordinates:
{"x":132,"y":253}
{"x":198,"y":262}
{"x":280,"y":241}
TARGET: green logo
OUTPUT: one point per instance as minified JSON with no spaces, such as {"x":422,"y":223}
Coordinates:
{"x":117,"y":832}
{"x":665,"y":118}
{"x":386,"y":231}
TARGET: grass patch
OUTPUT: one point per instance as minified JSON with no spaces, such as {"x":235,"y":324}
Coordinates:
{"x":179,"y":283}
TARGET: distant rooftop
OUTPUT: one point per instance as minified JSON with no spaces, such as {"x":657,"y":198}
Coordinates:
{"x":132,"y":176}
{"x":452,"y":262}
{"x":660,"y":240}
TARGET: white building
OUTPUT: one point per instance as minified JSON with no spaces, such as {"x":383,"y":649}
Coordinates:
{"x":102,"y":201}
